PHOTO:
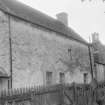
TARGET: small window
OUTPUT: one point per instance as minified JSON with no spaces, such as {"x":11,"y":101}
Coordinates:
{"x":70,"y":53}
{"x":85,"y":78}
{"x":62,"y":77}
{"x":48,"y":78}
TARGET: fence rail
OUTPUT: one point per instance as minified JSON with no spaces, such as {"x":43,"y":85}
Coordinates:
{"x":61,"y":94}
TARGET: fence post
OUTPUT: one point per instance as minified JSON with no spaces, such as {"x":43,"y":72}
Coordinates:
{"x":74,"y":93}
{"x":61,"y":94}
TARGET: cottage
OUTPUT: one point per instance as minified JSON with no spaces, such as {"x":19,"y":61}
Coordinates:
{"x":36,"y":49}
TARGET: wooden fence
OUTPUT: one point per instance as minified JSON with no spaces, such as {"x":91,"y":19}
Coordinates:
{"x":61,"y":94}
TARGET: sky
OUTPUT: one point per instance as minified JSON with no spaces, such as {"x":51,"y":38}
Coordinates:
{"x":85,"y":17}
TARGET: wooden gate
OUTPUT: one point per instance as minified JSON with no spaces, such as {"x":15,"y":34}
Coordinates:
{"x":78,"y":95}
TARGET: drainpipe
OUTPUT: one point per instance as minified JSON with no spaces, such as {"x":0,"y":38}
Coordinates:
{"x":90,"y":58}
{"x":10,"y":52}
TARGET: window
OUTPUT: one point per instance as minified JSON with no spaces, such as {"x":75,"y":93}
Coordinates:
{"x":70,"y":53}
{"x":62,"y":77}
{"x":48,"y":78}
{"x":85,"y":78}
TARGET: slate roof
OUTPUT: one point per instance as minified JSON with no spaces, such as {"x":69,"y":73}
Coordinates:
{"x":20,"y":10}
{"x":3,"y":73}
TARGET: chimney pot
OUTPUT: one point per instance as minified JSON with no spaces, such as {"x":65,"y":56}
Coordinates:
{"x":95,"y":37}
{"x":63,"y":17}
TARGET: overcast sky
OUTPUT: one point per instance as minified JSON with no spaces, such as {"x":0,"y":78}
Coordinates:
{"x":84,"y":17}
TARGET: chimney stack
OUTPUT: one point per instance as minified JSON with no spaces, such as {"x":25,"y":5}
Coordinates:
{"x":63,"y":17}
{"x":95,"y":37}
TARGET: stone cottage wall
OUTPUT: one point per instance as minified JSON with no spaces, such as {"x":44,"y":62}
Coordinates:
{"x":4,"y":43}
{"x":4,"y":50}
{"x":37,"y":50}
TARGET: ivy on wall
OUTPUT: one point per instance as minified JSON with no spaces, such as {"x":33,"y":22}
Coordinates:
{"x":80,"y":59}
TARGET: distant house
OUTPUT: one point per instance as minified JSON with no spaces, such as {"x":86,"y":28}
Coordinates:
{"x":99,"y":58}
{"x":36,"y":49}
